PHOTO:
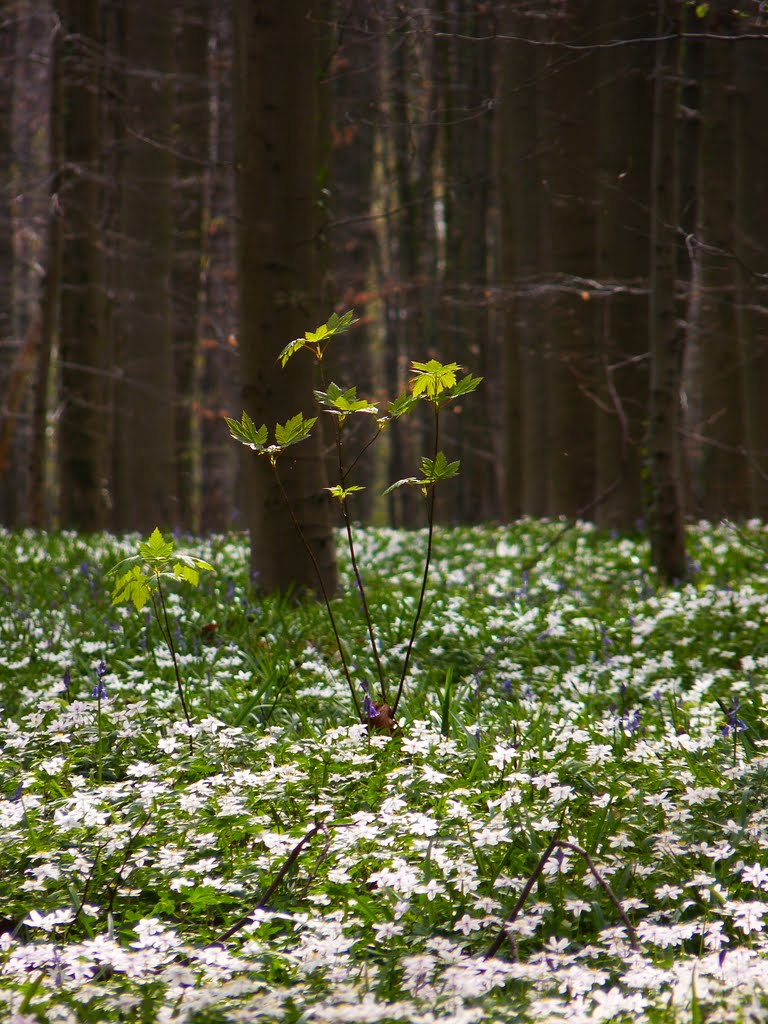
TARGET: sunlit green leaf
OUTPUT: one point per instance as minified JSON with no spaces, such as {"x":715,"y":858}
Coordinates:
{"x":294,"y":430}
{"x":246,"y":433}
{"x":432,"y":377}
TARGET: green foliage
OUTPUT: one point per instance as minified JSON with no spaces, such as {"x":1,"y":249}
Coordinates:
{"x":156,"y":560}
{"x":317,"y":341}
{"x":434,"y":382}
{"x":289,"y":433}
{"x":432,"y":378}
{"x":344,"y":403}
{"x":246,"y":433}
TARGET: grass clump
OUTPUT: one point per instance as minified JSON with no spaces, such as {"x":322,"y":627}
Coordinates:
{"x":570,"y":826}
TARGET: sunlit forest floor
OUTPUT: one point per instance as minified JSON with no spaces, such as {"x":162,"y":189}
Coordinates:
{"x":571,"y":823}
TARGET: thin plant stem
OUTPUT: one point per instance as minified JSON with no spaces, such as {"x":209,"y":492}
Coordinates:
{"x":270,"y":892}
{"x":495,"y":946}
{"x":323,"y":591}
{"x":353,"y":559}
{"x":99,"y":726}
{"x":427,"y":560}
{"x":606,"y":889}
{"x":169,"y":641}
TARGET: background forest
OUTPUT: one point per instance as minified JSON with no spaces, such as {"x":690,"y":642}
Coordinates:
{"x":567,"y":197}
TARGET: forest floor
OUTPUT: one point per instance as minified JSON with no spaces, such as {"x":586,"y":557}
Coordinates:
{"x":569,"y":824}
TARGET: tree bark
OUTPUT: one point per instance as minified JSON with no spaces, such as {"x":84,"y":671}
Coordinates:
{"x":524,"y":318}
{"x":724,"y":476}
{"x":9,"y":346}
{"x":276,"y":65}
{"x":82,"y":434}
{"x":751,"y":232}
{"x":666,"y":333}
{"x":146,"y":478}
{"x":191,"y":123}
{"x":625,"y":102}
{"x":569,"y":194}
{"x":463,"y":329}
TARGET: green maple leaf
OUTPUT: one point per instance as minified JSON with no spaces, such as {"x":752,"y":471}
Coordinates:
{"x":432,"y":377}
{"x":294,"y":430}
{"x":246,"y":433}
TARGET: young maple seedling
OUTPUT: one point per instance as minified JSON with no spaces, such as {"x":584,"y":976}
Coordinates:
{"x":138,"y":581}
{"x":432,"y":382}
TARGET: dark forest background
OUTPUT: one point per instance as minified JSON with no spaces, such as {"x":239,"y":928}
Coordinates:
{"x":568,"y":197}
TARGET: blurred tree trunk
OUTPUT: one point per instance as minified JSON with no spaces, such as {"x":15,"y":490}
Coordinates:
{"x":9,"y":346}
{"x":146,"y":477}
{"x":625,"y":102}
{"x":191,"y":144}
{"x":220,"y":371}
{"x":518,"y":187}
{"x":411,"y":96}
{"x":724,"y":477}
{"x":351,"y":234}
{"x":22,"y":430}
{"x":463,"y":329}
{"x":276,"y":68}
{"x":569,"y":176}
{"x":82,"y":433}
{"x":666,"y":332}
{"x":751,"y":242}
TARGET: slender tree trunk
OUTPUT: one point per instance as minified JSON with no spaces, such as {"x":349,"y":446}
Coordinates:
{"x":351,"y":234}
{"x":625,"y":102}
{"x":751,"y":242}
{"x":666,"y":334}
{"x":221,"y":367}
{"x":569,"y":144}
{"x":724,"y":482}
{"x":9,"y":346}
{"x":191,"y":122}
{"x":82,"y":454}
{"x":518,"y":187}
{"x":412,"y":109}
{"x":465,"y":68}
{"x":146,"y":481}
{"x":276,"y":66}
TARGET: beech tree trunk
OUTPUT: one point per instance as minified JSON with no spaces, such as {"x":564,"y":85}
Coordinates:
{"x":625,"y":101}
{"x":751,"y":241}
{"x":276,"y":67}
{"x":666,"y":333}
{"x":191,"y":120}
{"x":82,"y":425}
{"x":724,"y":475}
{"x":146,"y":476}
{"x":569,"y":195}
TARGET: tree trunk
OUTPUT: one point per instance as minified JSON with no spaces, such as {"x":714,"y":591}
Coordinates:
{"x":9,"y":346}
{"x":724,"y":477}
{"x":751,"y":242}
{"x":463,"y":329}
{"x":569,"y":195}
{"x":276,"y":66}
{"x":146,"y":478}
{"x":191,"y":121}
{"x":666,"y":333}
{"x":220,"y":371}
{"x":518,"y":187}
{"x":625,"y":103}
{"x":351,"y":234}
{"x":81,"y":437}
{"x":412,"y":269}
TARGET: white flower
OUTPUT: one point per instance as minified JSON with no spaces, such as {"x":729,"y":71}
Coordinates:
{"x":757,"y":876}
{"x":49,"y":921}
